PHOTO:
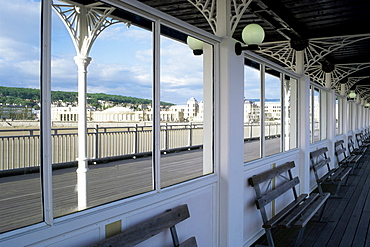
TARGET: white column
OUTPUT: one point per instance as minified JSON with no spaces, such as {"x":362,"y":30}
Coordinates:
{"x":231,"y":146}
{"x":82,"y":170}
{"x":304,"y":125}
{"x":330,"y":120}
{"x":230,"y":121}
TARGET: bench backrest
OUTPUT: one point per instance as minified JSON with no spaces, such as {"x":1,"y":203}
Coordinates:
{"x":359,"y":138}
{"x":150,"y":227}
{"x":351,"y":144}
{"x":266,"y":195}
{"x":319,"y":160}
{"x":340,"y":150}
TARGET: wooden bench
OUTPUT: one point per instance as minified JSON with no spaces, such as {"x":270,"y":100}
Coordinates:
{"x":343,"y":158}
{"x":361,"y":141}
{"x":297,"y":213}
{"x":150,"y":227}
{"x":352,"y":148}
{"x":320,"y":162}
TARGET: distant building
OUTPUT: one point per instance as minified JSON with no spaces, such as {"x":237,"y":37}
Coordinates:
{"x":192,"y":111}
{"x":68,"y":113}
{"x":15,"y":112}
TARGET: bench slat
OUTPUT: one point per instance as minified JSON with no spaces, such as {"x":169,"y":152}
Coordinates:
{"x":318,"y":152}
{"x":311,"y":211}
{"x":274,"y":220}
{"x":340,"y":174}
{"x":147,"y":229}
{"x":321,"y":163}
{"x":264,"y":176}
{"x":296,"y":212}
{"x":273,"y":194}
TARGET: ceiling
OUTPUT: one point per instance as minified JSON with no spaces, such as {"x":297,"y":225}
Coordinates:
{"x":337,"y":33}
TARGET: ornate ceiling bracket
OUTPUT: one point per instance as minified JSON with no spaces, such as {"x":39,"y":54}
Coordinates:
{"x":85,"y":23}
{"x":339,"y":73}
{"x":281,"y":51}
{"x":364,"y":91}
{"x":319,"y":48}
{"x":342,"y":71}
{"x":315,"y":52}
{"x":209,"y":11}
{"x":237,"y":11}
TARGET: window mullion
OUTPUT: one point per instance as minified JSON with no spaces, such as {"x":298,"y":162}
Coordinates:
{"x":45,"y":141}
{"x":262,"y":122}
{"x":156,"y":108}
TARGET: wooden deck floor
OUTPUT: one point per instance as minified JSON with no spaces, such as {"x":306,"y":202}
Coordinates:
{"x":346,"y":220}
{"x":21,"y":201}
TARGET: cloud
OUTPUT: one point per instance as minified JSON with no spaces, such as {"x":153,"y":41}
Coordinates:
{"x":122,"y":58}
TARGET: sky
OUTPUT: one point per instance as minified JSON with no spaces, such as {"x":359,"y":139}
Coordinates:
{"x":121,"y":63}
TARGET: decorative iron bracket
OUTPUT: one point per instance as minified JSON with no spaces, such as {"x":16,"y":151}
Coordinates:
{"x":85,"y":23}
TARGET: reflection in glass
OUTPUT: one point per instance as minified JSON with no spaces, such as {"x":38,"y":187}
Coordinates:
{"x":20,"y":197}
{"x":290,"y":113}
{"x":183,"y":102}
{"x":272,"y":111}
{"x":316,"y":115}
{"x":118,"y":131}
{"x":252,"y":112}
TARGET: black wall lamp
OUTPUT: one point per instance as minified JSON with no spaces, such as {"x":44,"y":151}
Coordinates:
{"x":252,"y":35}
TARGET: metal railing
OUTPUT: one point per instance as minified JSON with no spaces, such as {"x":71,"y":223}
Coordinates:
{"x":21,"y":148}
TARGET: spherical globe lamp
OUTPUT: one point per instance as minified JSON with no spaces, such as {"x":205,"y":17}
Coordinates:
{"x":253,"y":34}
{"x":352,"y":95}
{"x":196,"y":45}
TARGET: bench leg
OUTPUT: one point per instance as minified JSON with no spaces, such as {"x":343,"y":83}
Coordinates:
{"x":322,"y":211}
{"x":175,"y":239}
{"x":321,"y":192}
{"x":299,"y":237}
{"x":270,"y":240}
{"x":338,"y":188}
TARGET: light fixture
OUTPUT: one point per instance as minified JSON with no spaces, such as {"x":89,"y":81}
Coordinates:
{"x":352,"y":95}
{"x":196,"y":45}
{"x":367,"y":105}
{"x":252,"y":35}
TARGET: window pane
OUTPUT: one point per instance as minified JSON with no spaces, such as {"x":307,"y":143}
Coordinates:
{"x":316,"y":115}
{"x":118,"y":131}
{"x":272,"y":111}
{"x":183,"y":106}
{"x":323,"y":114}
{"x":337,"y":132}
{"x":252,"y":111}
{"x":20,"y":197}
{"x":290,"y":113}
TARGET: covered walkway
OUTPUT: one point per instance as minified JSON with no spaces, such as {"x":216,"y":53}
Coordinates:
{"x":346,"y":220}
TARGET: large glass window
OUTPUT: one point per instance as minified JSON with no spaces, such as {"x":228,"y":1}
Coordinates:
{"x":315,"y":114}
{"x":183,"y":105}
{"x":273,"y":112}
{"x":339,"y":115}
{"x":20,"y":197}
{"x":290,"y":113}
{"x":131,"y":109}
{"x":270,"y":110}
{"x":252,"y":111}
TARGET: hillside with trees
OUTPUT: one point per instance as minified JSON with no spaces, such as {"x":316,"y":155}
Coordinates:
{"x":31,"y":98}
